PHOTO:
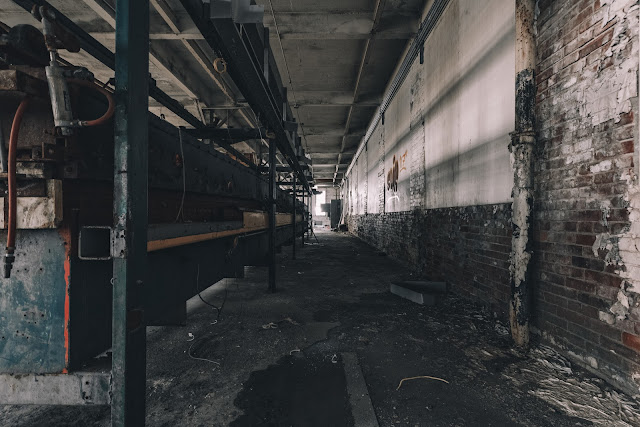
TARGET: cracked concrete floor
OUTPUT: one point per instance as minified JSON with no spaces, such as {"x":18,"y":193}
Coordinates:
{"x":274,"y":359}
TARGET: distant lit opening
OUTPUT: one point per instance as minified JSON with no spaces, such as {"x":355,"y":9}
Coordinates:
{"x":320,"y":199}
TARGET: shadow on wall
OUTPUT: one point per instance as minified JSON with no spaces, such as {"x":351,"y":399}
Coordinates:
{"x":479,"y":174}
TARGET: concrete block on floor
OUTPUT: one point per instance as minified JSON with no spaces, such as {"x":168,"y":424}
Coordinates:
{"x":420,"y":292}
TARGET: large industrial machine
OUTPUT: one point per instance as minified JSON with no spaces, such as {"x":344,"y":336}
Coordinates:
{"x":209,"y":211}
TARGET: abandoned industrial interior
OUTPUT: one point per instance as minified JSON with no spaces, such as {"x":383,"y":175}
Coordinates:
{"x":319,"y":213}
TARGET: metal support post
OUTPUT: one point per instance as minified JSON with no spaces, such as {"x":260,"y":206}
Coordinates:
{"x":304,"y":216}
{"x":267,"y":53}
{"x":310,"y":228}
{"x":129,"y":238}
{"x":294,"y":216}
{"x":272,"y":215}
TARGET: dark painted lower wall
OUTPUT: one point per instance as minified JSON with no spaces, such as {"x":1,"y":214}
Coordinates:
{"x":467,"y":247}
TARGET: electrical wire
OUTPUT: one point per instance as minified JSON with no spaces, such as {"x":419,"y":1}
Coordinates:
{"x":218,"y":309}
{"x":200,"y":358}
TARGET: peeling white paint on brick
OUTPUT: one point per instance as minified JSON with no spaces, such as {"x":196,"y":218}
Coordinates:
{"x":603,"y":166}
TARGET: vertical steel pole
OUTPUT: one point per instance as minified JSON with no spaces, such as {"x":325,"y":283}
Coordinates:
{"x":304,"y":216}
{"x":272,"y":215}
{"x":129,"y":239}
{"x":294,"y":215}
{"x":310,"y":229}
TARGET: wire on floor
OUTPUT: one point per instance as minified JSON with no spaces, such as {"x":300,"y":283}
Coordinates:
{"x":218,"y":309}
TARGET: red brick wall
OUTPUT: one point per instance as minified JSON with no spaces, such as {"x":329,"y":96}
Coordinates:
{"x":467,"y":247}
{"x":586,"y":103}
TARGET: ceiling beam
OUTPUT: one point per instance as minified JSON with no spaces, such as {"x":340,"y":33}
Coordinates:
{"x":335,"y":132}
{"x":348,"y":104}
{"x":386,"y":35}
{"x":339,"y":26}
{"x":152,"y":36}
{"x":308,"y":97}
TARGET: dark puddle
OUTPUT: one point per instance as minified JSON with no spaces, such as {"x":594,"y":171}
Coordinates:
{"x":297,"y":391}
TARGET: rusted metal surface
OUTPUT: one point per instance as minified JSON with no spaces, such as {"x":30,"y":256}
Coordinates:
{"x":32,"y":305}
{"x":39,"y":212}
{"x":523,"y":141}
{"x":80,"y":388}
{"x":18,"y":81}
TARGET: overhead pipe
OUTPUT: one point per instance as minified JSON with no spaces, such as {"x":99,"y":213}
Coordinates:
{"x":522,"y":145}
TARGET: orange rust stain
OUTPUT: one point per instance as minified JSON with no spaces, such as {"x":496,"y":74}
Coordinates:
{"x":66,"y":236}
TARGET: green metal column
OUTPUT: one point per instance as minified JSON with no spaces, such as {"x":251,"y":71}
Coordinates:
{"x":304,"y":216}
{"x":310,"y":229}
{"x":294,"y":215}
{"x":272,"y":215}
{"x":129,"y":239}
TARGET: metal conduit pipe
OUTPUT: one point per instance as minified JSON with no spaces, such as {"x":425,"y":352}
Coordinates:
{"x":522,"y":147}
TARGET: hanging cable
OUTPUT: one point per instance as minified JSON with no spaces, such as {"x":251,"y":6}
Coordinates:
{"x":218,"y":309}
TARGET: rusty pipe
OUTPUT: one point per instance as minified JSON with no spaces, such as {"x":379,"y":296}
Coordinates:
{"x":9,"y":256}
{"x":523,"y":141}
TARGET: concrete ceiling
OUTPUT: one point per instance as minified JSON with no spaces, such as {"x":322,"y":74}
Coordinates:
{"x":336,"y":57}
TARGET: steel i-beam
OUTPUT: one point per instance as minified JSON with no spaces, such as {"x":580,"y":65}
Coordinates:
{"x":129,"y":238}
{"x":294,"y":216}
{"x":272,"y":215}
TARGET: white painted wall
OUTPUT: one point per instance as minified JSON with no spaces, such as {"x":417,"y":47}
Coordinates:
{"x":455,"y":111}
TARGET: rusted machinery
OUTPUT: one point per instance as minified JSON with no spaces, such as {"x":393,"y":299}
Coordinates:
{"x":207,"y":214}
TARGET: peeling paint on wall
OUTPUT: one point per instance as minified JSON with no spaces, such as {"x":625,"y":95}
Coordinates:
{"x":623,"y":251}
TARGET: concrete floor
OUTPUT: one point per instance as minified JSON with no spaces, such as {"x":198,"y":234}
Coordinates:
{"x":280,"y":359}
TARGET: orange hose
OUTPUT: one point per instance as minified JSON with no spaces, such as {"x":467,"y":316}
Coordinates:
{"x":112,"y":105}
{"x":11,"y":163}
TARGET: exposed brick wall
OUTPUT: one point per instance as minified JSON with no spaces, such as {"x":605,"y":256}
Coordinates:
{"x":467,"y":247}
{"x":587,"y":99}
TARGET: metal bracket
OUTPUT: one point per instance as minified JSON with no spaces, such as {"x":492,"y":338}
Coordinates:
{"x":291,"y":126}
{"x":94,"y":243}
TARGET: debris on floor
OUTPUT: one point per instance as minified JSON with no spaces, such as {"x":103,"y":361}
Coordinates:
{"x":578,"y":394}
